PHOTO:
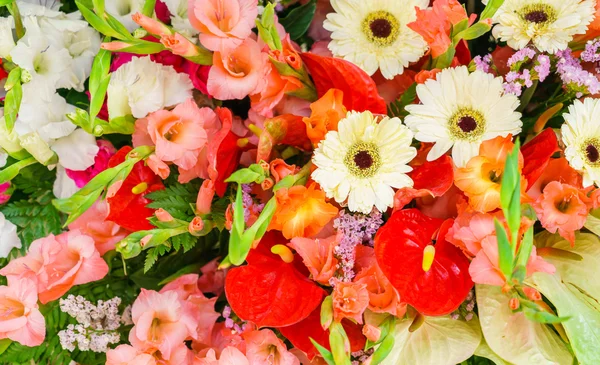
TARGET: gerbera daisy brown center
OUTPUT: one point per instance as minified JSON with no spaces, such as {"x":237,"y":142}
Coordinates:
{"x":381,"y":27}
{"x":538,"y":13}
{"x":591,"y":150}
{"x":363,"y":159}
{"x":466,"y":124}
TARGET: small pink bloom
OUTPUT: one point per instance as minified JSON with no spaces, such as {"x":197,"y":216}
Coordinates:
{"x":469,"y":229}
{"x":114,"y":46}
{"x":152,"y":26}
{"x":163,"y":216}
{"x":222,"y":23}
{"x":212,"y":279}
{"x":196,"y":226}
{"x":239,"y":72}
{"x":20,"y":318}
{"x":263,"y":347}
{"x":532,"y":293}
{"x":184,"y":286}
{"x":179,"y":45}
{"x":563,"y":208}
{"x":205,"y":197}
{"x":350,"y":301}
{"x":104,"y":233}
{"x":128,"y":355}
{"x":105,"y":152}
{"x":317,"y":255}
{"x":58,"y":263}
{"x":161,"y":322}
{"x":158,"y":166}
{"x":203,"y":310}
{"x":371,"y":332}
{"x":179,"y":134}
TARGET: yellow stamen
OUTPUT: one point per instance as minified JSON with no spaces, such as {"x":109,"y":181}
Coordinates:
{"x":428,"y":256}
{"x":140,"y":188}
{"x":254,"y":129}
{"x":284,"y":252}
{"x":242,"y":142}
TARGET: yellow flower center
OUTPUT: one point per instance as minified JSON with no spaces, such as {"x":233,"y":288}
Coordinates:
{"x":466,"y":124}
{"x":363,"y":159}
{"x":539,"y":14}
{"x":381,"y":27}
{"x":591,"y":150}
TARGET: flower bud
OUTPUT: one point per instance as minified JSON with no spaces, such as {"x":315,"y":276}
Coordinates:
{"x":514,"y":303}
{"x":163,"y":216}
{"x":196,"y":226}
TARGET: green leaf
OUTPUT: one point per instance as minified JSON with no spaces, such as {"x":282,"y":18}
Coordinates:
{"x":326,"y":312}
{"x":10,"y":172}
{"x":439,"y":340}
{"x":148,"y":8}
{"x":98,"y":82}
{"x":6,"y":2}
{"x":326,"y":354}
{"x":525,"y":249}
{"x":176,"y":199}
{"x":397,"y":108}
{"x":491,"y":8}
{"x":443,"y":61}
{"x":298,"y":20}
{"x":253,"y":174}
{"x":338,"y":341}
{"x":475,"y":31}
{"x":98,"y":6}
{"x":97,"y":22}
{"x":512,"y":336}
{"x":189,"y":269}
{"x":505,"y":255}
{"x":383,"y":350}
{"x":5,"y":342}
{"x":542,"y":316}
{"x":12,"y":101}
{"x":152,"y":256}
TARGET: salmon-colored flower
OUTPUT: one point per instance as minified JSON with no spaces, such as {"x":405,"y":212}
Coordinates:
{"x":371,"y":332}
{"x":128,"y":355}
{"x":161,"y":321}
{"x":104,"y":233}
{"x":480,"y":179}
{"x":425,"y":75}
{"x":229,"y":356}
{"x":238,"y":72}
{"x":20,"y":318}
{"x":185,"y":286}
{"x":158,"y":166}
{"x":350,"y":301}
{"x":263,"y":347}
{"x":179,"y":45}
{"x":205,"y":197}
{"x":212,"y":279}
{"x":279,"y":169}
{"x":557,"y":170}
{"x":317,"y":255}
{"x":179,"y":134}
{"x":325,"y":115}
{"x":469,"y":229}
{"x":301,"y":211}
{"x":563,"y":208}
{"x":222,"y":23}
{"x":57,"y":263}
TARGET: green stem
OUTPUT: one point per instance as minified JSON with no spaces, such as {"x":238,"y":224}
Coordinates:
{"x":14,"y":11}
{"x":527,"y":95}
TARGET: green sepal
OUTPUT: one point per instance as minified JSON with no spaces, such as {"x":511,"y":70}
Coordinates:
{"x":505,"y":254}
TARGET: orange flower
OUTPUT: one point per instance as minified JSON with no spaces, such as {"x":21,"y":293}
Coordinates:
{"x":326,"y":113}
{"x":301,"y":211}
{"x":318,"y":256}
{"x":349,"y":301}
{"x":563,"y":208}
{"x":425,"y":75}
{"x":557,"y":170}
{"x":480,"y":180}
{"x":279,"y":169}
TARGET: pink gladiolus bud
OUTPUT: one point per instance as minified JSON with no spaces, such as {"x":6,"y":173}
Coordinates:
{"x":196,"y":226}
{"x":514,"y":303}
{"x":532,"y":293}
{"x":153,"y":26}
{"x":115,"y":46}
{"x":179,"y":45}
{"x":205,"y":197}
{"x":163,"y":216}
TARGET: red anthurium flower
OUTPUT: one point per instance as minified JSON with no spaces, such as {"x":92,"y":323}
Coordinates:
{"x":300,"y":334}
{"x":537,"y":154}
{"x":360,"y":91}
{"x":269,"y":291}
{"x":432,"y":178}
{"x":127,"y":206}
{"x":223,"y":152}
{"x":429,"y":273}
{"x":286,"y":129}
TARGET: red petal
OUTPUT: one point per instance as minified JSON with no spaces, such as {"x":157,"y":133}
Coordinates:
{"x":286,"y":129}
{"x":223,"y":152}
{"x":537,"y":154}
{"x":435,"y":176}
{"x":271,"y":294}
{"x":463,"y":54}
{"x":360,"y":91}
{"x":399,"y":246}
{"x":300,"y":334}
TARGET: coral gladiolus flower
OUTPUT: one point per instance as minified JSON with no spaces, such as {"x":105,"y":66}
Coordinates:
{"x":128,"y":355}
{"x":325,"y":115}
{"x":563,"y":208}
{"x":301,"y":211}
{"x":263,"y":347}
{"x":350,"y":301}
{"x":318,"y":256}
{"x":92,"y":223}
{"x":58,"y":263}
{"x":480,"y":179}
{"x":222,"y":23}
{"x":20,"y":318}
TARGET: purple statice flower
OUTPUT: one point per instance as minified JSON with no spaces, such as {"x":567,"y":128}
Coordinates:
{"x":466,"y":308}
{"x":574,"y":77}
{"x":250,"y":208}
{"x":230,"y":323}
{"x":542,"y":67}
{"x":483,"y":63}
{"x":523,"y":55}
{"x":356,"y":229}
{"x":591,"y":53}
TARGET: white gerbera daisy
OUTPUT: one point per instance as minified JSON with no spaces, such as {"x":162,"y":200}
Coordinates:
{"x":363,"y":160}
{"x":374,"y":34}
{"x":461,"y":110}
{"x":581,"y":136}
{"x":549,"y":24}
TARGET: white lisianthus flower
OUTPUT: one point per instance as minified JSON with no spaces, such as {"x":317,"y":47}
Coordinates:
{"x":7,"y":42}
{"x":581,"y":136}
{"x":460,"y":110}
{"x":549,"y":24}
{"x":8,"y":237}
{"x":64,"y":187}
{"x":179,"y":18}
{"x":374,"y":34}
{"x":141,"y":86}
{"x":77,"y":150}
{"x":123,"y":10}
{"x":363,"y":160}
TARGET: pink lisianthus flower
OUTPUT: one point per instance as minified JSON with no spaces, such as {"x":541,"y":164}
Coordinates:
{"x":238,"y":72}
{"x":179,"y":135}
{"x":263,"y":347}
{"x":105,"y":152}
{"x":563,"y":208}
{"x":4,"y":192}
{"x":20,"y":318}
{"x":222,"y":23}
{"x":161,"y":322}
{"x":104,"y":233}
{"x":128,"y":355}
{"x":57,"y":263}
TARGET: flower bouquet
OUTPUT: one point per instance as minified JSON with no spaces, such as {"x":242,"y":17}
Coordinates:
{"x":286,"y":182}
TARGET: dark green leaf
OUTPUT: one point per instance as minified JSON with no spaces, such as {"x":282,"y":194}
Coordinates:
{"x":296,"y":23}
{"x":397,"y":108}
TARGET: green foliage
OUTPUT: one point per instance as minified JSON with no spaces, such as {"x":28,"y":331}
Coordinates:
{"x":297,"y":21}
{"x":153,"y":254}
{"x":397,"y":108}
{"x":177,"y":199}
